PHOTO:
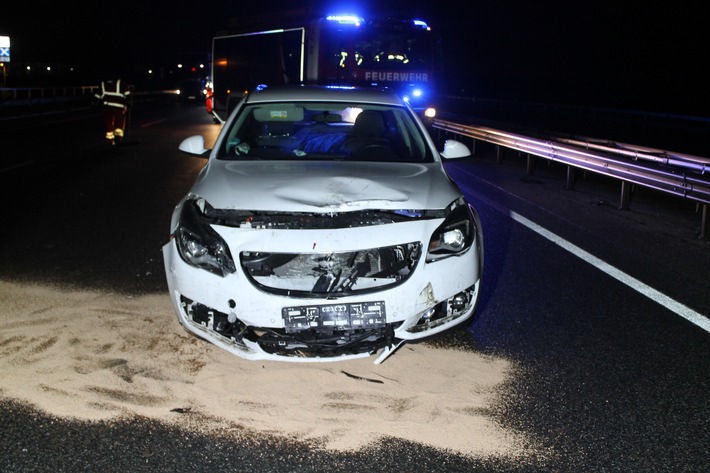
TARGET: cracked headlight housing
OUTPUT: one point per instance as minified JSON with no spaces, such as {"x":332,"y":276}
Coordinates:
{"x":455,"y":235}
{"x":197,"y":242}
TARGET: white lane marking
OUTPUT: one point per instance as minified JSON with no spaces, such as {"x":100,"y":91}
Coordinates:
{"x":669,"y":303}
{"x":656,"y":296}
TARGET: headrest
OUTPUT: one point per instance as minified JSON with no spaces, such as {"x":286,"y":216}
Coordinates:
{"x":369,"y":123}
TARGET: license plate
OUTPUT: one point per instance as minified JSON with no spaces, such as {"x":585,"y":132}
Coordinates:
{"x":338,"y":316}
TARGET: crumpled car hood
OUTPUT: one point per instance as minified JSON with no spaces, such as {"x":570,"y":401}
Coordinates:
{"x":313,"y":186}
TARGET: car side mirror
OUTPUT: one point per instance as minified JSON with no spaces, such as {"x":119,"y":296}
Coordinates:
{"x":455,"y":149}
{"x":194,"y":145}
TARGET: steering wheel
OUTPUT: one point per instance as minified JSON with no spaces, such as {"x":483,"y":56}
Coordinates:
{"x":375,"y":149}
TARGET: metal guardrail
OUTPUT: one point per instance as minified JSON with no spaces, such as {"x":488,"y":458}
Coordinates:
{"x":29,"y":102}
{"x":24,"y":93}
{"x":47,"y":95}
{"x":664,"y":130}
{"x":677,"y":174}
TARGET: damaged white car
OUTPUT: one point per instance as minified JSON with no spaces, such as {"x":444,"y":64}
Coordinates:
{"x":323,"y":227}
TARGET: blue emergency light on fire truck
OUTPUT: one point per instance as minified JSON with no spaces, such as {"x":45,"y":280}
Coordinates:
{"x":343,"y":50}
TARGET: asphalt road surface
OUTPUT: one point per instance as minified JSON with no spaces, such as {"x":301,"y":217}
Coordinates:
{"x":603,"y":312}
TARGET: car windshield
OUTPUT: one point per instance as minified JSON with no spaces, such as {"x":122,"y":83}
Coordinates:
{"x":327,"y":131}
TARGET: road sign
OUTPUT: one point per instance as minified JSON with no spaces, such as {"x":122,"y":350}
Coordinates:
{"x":4,"y":49}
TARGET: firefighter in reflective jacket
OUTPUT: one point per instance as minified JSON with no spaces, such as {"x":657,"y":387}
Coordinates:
{"x":209,"y":98}
{"x":114,"y":99}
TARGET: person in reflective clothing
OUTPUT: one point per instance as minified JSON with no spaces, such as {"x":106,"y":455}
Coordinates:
{"x":114,"y":97}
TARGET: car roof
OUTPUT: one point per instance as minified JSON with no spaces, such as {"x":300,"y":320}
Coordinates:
{"x":323,"y":93}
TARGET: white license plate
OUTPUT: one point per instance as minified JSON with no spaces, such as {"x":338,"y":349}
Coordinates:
{"x":337,"y":316}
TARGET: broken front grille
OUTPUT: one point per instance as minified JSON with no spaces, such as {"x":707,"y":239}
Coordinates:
{"x":331,"y":274}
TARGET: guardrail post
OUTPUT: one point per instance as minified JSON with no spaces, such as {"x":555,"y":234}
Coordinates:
{"x":625,"y":195}
{"x":531,"y":164}
{"x":704,"y":224}
{"x":569,"y":184}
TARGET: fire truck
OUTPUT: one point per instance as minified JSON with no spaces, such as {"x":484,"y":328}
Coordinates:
{"x":337,"y":50}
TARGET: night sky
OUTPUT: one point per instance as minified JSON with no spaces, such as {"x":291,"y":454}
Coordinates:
{"x":647,"y":56}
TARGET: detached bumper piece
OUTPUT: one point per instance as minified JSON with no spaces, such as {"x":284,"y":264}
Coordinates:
{"x":351,"y":329}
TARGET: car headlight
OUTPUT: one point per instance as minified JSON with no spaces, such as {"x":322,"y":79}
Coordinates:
{"x":455,"y":235}
{"x":197,"y":242}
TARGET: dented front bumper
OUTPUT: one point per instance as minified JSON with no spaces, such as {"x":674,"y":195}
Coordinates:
{"x":264,"y":317}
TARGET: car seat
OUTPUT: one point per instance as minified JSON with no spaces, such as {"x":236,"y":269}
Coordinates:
{"x":368,"y":140}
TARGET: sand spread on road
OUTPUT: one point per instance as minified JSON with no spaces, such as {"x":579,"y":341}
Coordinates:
{"x":97,"y":356}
